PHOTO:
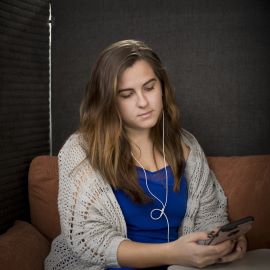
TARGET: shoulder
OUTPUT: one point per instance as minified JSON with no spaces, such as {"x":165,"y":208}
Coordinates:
{"x":188,"y":138}
{"x":74,"y":143}
{"x":73,"y":151}
{"x":186,"y":150}
{"x":189,"y":143}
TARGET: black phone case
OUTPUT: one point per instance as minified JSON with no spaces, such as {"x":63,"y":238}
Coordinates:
{"x":231,"y":231}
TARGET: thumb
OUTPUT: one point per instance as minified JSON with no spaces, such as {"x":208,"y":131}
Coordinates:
{"x":197,"y":236}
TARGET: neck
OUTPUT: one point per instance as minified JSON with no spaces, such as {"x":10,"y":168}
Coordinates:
{"x":139,"y":137}
{"x":141,"y":145}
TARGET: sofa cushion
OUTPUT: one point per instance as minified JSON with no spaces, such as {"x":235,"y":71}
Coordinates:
{"x":246,"y":182}
{"x":43,"y":190}
{"x":245,"y":179}
{"x":23,"y":246}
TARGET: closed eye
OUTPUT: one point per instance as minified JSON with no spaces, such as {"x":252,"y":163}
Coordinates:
{"x":127,"y":95}
{"x":149,"y":88}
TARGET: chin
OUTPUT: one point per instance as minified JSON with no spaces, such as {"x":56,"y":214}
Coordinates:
{"x":143,"y":124}
{"x":147,"y":124}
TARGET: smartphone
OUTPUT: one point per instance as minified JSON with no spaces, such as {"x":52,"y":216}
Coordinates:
{"x":230,"y":231}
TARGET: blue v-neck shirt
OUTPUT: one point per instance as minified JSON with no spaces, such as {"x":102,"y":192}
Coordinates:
{"x":140,"y":226}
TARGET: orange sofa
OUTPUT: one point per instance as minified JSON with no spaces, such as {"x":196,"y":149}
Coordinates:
{"x":245,"y":179}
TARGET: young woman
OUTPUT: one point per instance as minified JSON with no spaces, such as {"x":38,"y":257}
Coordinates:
{"x":135,"y":189}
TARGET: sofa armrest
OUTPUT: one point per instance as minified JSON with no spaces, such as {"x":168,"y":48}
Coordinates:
{"x":23,"y":247}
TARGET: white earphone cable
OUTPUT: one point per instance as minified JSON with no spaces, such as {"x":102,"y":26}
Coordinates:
{"x":162,"y":210}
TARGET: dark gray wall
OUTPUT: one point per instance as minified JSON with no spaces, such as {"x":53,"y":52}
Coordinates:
{"x":216,"y":53}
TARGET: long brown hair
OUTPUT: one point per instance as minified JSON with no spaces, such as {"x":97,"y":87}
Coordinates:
{"x":109,"y":149}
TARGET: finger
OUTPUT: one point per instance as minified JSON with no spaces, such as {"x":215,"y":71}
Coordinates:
{"x":215,"y":252}
{"x":241,"y":246}
{"x":196,"y":236}
{"x":224,"y":248}
{"x":232,"y":256}
{"x":242,"y":238}
{"x":211,"y":260}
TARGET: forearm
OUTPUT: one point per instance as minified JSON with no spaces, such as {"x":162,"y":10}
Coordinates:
{"x":184,"y":251}
{"x":140,"y":255}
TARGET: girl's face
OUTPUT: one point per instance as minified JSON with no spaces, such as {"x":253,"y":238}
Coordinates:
{"x":139,"y":97}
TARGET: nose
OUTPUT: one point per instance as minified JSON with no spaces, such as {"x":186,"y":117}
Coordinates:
{"x":141,"y":100}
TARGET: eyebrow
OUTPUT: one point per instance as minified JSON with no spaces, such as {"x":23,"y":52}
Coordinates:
{"x":128,"y":89}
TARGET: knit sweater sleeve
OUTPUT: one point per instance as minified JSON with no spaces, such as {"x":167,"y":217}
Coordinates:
{"x":212,"y":211}
{"x":90,"y":221}
{"x":207,"y":203}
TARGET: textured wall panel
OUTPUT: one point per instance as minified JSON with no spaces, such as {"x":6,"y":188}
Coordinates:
{"x":216,"y":52}
{"x":24,"y":101}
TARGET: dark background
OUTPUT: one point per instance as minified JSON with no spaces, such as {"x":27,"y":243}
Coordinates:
{"x":216,"y":53}
{"x":24,"y":101}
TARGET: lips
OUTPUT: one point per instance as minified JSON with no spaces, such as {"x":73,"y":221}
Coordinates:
{"x":145,"y":113}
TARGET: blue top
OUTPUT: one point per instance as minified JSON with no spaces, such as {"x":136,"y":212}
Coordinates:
{"x":140,"y":226}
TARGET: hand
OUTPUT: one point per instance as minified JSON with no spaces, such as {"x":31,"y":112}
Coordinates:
{"x":238,"y":252}
{"x":187,"y":252}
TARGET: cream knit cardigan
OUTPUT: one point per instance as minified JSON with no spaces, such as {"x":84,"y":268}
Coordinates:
{"x":92,"y":223}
